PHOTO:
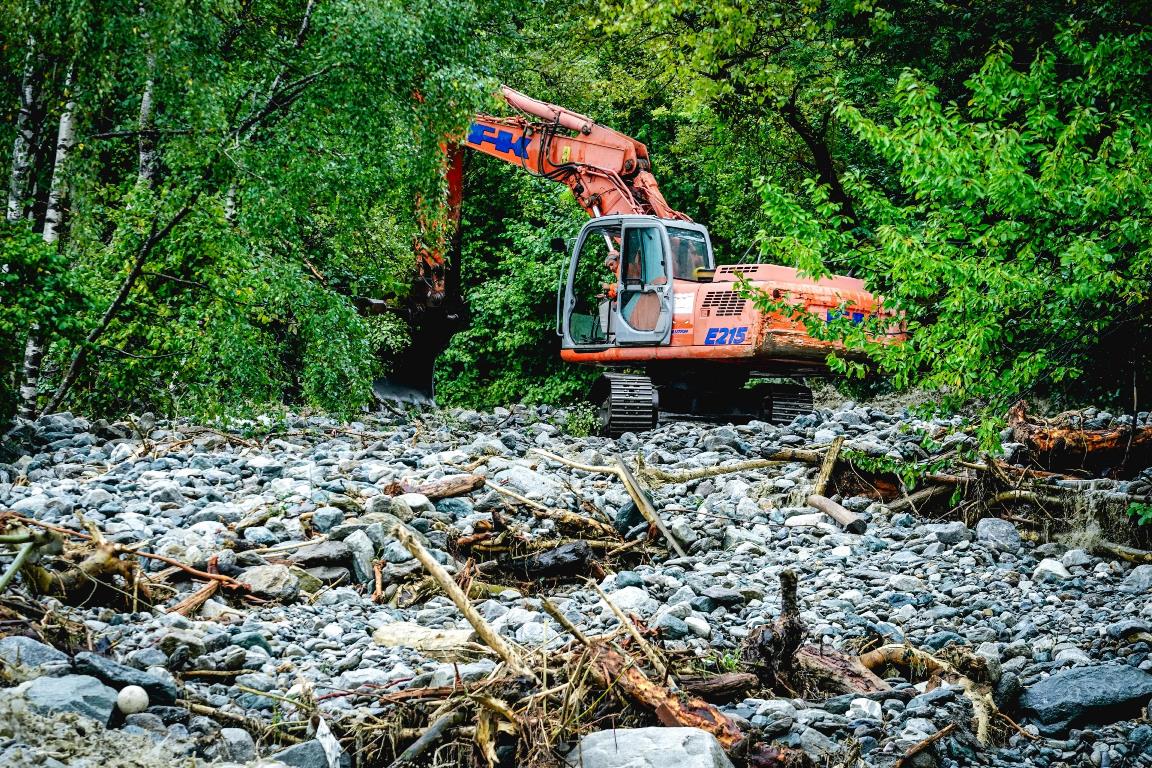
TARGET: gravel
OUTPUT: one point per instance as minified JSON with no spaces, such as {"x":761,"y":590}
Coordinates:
{"x":1039,"y":614}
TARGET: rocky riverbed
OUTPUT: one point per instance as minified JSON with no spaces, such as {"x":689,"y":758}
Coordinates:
{"x":302,"y":509}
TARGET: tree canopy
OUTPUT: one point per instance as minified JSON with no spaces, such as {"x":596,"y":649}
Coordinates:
{"x":201,"y":193}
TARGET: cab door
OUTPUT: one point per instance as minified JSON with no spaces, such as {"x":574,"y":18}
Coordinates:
{"x":643,"y":306}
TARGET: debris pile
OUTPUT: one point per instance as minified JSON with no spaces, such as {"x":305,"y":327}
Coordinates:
{"x":462,"y":588}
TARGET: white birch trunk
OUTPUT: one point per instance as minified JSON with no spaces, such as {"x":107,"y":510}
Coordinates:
{"x":22,"y":144}
{"x":146,"y":174}
{"x":53,"y":218}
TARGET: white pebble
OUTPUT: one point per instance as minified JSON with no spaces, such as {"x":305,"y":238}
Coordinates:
{"x":132,"y":699}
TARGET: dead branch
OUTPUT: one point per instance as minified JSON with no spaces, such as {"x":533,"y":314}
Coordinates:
{"x":613,"y":670}
{"x":828,"y":466}
{"x":511,"y":657}
{"x":922,"y":745}
{"x":432,"y":734}
{"x":646,"y":648}
{"x":640,"y":499}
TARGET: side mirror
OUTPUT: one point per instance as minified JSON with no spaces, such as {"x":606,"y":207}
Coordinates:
{"x":557,"y":244}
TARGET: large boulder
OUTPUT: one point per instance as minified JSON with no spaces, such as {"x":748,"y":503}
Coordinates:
{"x":160,"y":690}
{"x":275,"y":582}
{"x":1098,"y":694}
{"x":649,"y":748}
{"x":82,"y":694}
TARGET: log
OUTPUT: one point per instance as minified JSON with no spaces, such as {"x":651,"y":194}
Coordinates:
{"x":432,"y":734}
{"x":828,"y":466}
{"x":449,"y":486}
{"x":611,"y":669}
{"x":721,"y":689}
{"x":573,"y":559}
{"x":1062,"y":443}
{"x":442,"y":488}
{"x":847,"y":520}
{"x":834,"y":672}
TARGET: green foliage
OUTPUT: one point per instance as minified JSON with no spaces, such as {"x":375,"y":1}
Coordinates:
{"x":510,"y":352}
{"x":1008,"y":232}
{"x":583,"y":420}
{"x":1141,"y":513}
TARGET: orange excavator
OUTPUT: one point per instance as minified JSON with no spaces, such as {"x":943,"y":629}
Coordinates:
{"x":642,"y":291}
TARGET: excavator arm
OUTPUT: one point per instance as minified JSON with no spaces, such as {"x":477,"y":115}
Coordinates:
{"x":608,"y":172}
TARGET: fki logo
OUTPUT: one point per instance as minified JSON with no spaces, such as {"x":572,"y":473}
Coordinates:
{"x":503,"y":142}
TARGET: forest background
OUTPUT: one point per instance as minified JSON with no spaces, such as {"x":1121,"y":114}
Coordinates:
{"x":199,"y":190}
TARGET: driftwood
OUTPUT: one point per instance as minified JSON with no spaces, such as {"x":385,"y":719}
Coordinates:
{"x":640,"y":498}
{"x":828,"y":466}
{"x":721,"y":689}
{"x":1063,"y":443}
{"x":614,"y":670}
{"x":923,"y":744}
{"x":835,"y":672}
{"x":578,"y":525}
{"x":510,"y":656}
{"x":849,"y":521}
{"x":769,"y":651}
{"x":570,"y":560}
{"x":921,"y":664}
{"x":432,"y":734}
{"x":442,"y":488}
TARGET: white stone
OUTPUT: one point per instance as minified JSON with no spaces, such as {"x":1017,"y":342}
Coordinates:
{"x":633,"y":600}
{"x":865,"y":709}
{"x":648,"y":748}
{"x":1050,"y":570}
{"x":699,"y":627}
{"x":132,"y":699}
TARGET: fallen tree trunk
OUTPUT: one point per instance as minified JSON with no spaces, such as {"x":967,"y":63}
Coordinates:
{"x":1063,"y":443}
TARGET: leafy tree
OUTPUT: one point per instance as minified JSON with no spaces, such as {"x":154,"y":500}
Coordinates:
{"x":1011,"y":231}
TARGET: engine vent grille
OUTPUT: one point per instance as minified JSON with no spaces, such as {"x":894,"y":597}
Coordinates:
{"x":724,"y":303}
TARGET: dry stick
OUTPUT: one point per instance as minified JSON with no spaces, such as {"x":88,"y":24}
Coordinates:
{"x":249,"y":724}
{"x":449,"y":586}
{"x":847,"y":520}
{"x":919,"y":497}
{"x":192,"y":602}
{"x":645,"y":506}
{"x":920,"y":746}
{"x":645,"y":646}
{"x":828,"y":466}
{"x":430,"y":736}
{"x":552,"y":610}
{"x":559,"y":515}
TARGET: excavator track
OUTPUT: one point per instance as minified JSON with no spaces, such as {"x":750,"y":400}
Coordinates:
{"x":629,"y":404}
{"x":786,"y":402}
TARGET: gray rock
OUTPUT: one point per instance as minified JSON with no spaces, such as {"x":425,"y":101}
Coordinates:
{"x":325,"y":519}
{"x":948,"y":533}
{"x":235,"y":745}
{"x":1139,"y":580}
{"x":82,"y":694}
{"x":1098,"y":695}
{"x":323,"y":553}
{"x":648,"y":748}
{"x":309,"y":754}
{"x":26,"y":658}
{"x":160,"y":690}
{"x":409,"y":505}
{"x":999,"y":534}
{"x":363,"y":551}
{"x":275,"y":582}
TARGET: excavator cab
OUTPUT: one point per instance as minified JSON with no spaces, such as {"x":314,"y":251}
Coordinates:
{"x":618,"y":287}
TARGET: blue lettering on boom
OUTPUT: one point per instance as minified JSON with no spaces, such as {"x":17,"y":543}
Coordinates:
{"x":503,"y":142}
